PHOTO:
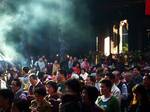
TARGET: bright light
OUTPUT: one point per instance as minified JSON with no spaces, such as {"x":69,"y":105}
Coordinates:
{"x":107,"y":46}
{"x":68,"y":56}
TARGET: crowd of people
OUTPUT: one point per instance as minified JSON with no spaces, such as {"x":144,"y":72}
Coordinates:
{"x":76,"y":85}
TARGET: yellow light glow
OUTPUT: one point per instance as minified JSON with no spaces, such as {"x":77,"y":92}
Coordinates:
{"x":107,"y":46}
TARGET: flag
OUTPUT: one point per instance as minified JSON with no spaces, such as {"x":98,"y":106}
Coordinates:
{"x":147,"y":7}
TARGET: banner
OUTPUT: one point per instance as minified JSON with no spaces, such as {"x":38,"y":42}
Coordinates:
{"x":147,"y":7}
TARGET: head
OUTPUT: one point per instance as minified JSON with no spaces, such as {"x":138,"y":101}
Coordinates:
{"x":6,"y":98}
{"x":110,"y":77}
{"x":40,"y":93}
{"x":25,"y":70}
{"x":73,"y":86}
{"x":61,"y":76}
{"x":128,"y":76}
{"x":16,"y":85}
{"x":83,"y":71}
{"x":89,"y":94}
{"x":117,"y":75}
{"x":139,"y":92}
{"x":105,"y":87}
{"x":90,"y":80}
{"x":146,"y":81}
{"x":99,"y":75}
{"x":136,"y":71}
{"x":51,"y":87}
{"x":33,"y":79}
{"x":20,"y":105}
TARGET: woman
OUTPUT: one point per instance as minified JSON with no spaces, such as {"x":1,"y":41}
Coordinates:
{"x":89,"y":95}
{"x":140,"y":101}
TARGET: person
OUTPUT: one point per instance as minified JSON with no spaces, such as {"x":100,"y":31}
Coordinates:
{"x":40,"y":64}
{"x":83,"y":74}
{"x":39,"y":104}
{"x":137,"y":77}
{"x":53,"y":96}
{"x":25,"y":78}
{"x":99,"y":76}
{"x":146,"y":83}
{"x":55,"y":67}
{"x":121,"y":84}
{"x":61,"y":78}
{"x":70,"y":100}
{"x":90,"y":80}
{"x":140,"y":102}
{"x":114,"y":89}
{"x":77,"y":69}
{"x":85,"y":64}
{"x":6,"y":99}
{"x":107,"y":101}
{"x":35,"y":82}
{"x":89,"y":95}
{"x":17,"y":90}
{"x":20,"y":105}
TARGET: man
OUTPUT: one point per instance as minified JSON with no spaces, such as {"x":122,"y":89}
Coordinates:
{"x":53,"y":96}
{"x":25,"y":78}
{"x":70,"y":100}
{"x":39,"y":104}
{"x":17,"y":90}
{"x":61,"y":78}
{"x":35,"y":82}
{"x":6,"y":99}
{"x":114,"y":90}
{"x":107,"y":101}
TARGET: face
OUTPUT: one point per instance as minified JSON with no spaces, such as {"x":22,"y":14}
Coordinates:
{"x":135,"y":71}
{"x":146,"y":81}
{"x":38,"y":98}
{"x":82,"y":71}
{"x":98,"y":77}
{"x":88,"y":81}
{"x":103,"y":89}
{"x":60,"y":77}
{"x":32,"y":81}
{"x":49,"y":89}
{"x":13,"y":86}
{"x":84,"y":96}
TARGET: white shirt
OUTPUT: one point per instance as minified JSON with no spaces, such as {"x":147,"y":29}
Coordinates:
{"x":2,"y":84}
{"x":84,"y":76}
{"x":116,"y":92}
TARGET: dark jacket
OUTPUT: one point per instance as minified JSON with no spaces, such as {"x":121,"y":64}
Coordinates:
{"x":70,"y":103}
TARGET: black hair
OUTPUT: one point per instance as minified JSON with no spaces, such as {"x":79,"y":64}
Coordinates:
{"x":26,"y":69}
{"x":52,"y":84}
{"x":7,"y":94}
{"x":74,"y":85}
{"x":111,"y":76}
{"x":22,"y":105}
{"x":40,"y":91}
{"x":33,"y":76}
{"x":92,"y":93}
{"x":18,"y":82}
{"x":62,"y":72}
{"x":107,"y":83}
{"x":140,"y":89}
